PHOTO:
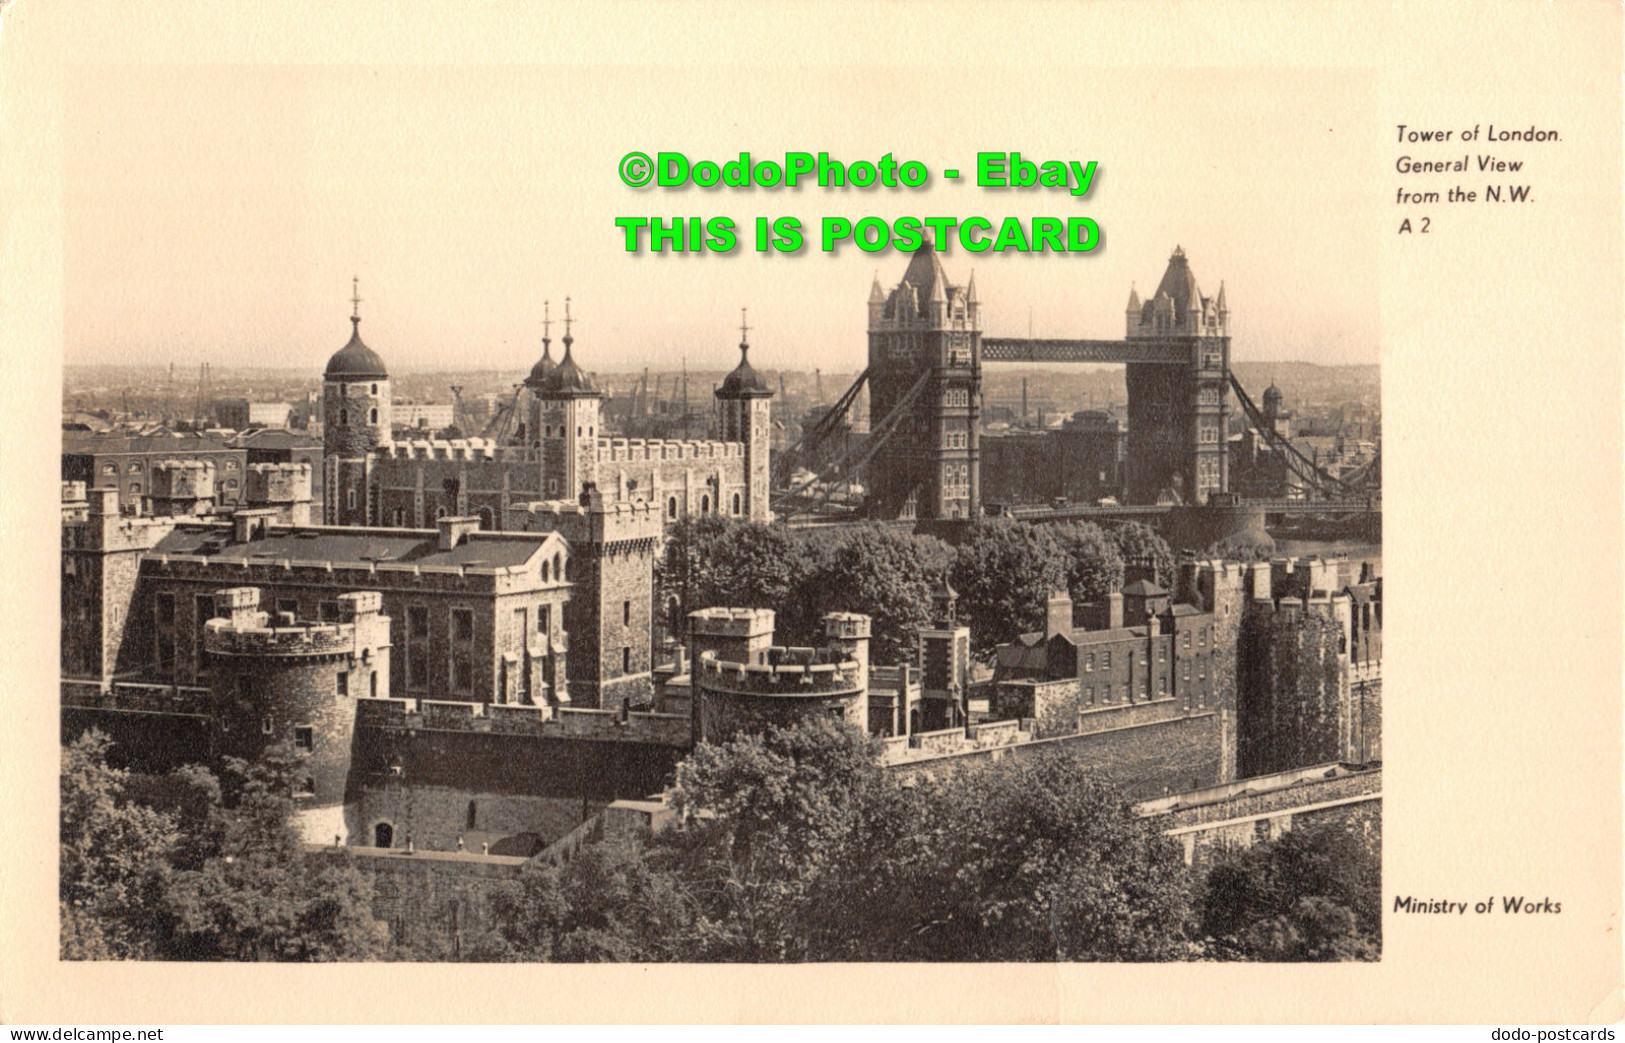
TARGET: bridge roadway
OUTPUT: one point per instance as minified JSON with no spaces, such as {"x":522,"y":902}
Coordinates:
{"x":1293,"y":508}
{"x":1169,"y":351}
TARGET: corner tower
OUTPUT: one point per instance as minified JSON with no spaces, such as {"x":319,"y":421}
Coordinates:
{"x":743,"y":415}
{"x":1178,"y":414}
{"x":567,"y":413}
{"x":355,"y":423}
{"x":925,"y":366}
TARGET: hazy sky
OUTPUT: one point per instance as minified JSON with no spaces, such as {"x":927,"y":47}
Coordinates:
{"x":219,"y":212}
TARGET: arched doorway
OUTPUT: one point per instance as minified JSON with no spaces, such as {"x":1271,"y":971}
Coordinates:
{"x":383,"y":835}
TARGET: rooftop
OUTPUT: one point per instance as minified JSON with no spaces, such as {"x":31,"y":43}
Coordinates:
{"x":357,"y":546}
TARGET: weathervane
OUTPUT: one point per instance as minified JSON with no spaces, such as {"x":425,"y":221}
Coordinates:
{"x":355,"y":298}
{"x":744,"y":327}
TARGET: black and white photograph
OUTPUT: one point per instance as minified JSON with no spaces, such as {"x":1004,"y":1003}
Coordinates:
{"x":683,"y":507}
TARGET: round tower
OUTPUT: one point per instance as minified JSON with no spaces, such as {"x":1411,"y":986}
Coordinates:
{"x":279,"y":680}
{"x":355,"y":423}
{"x":744,"y":415}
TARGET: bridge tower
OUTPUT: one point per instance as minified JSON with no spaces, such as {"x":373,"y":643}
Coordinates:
{"x":1177,"y":414}
{"x":925,"y":356}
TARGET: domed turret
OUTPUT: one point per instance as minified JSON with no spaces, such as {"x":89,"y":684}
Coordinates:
{"x":744,"y":381}
{"x":545,"y":364}
{"x":355,"y":422}
{"x":1272,"y":399}
{"x":356,"y":361}
{"x":566,"y":380}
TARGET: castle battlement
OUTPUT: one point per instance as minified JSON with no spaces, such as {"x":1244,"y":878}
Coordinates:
{"x":542,"y":722}
{"x":460,"y":449}
{"x":599,"y":522}
{"x":731,"y":622}
{"x":278,"y":483}
{"x":638,"y":450}
{"x":182,"y":480}
{"x":788,"y":672}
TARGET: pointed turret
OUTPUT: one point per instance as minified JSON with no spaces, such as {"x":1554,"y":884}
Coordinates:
{"x":567,"y":379}
{"x":545,"y":364}
{"x":876,"y":294}
{"x":970,"y":288}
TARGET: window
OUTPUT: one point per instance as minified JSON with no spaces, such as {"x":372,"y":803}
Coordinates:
{"x":400,"y":517}
{"x":164,"y":610}
{"x":1162,"y":653}
{"x":736,"y":503}
{"x":245,"y":686}
{"x":372,"y":416}
{"x":626,"y":613}
{"x":705,"y":504}
{"x":349,"y":498}
{"x":1089,"y":665}
{"x":544,"y":619}
{"x":473,"y":814}
{"x":1185,"y":641}
{"x":439,"y":512}
{"x":626,"y":660}
{"x":417,"y":621}
{"x":344,"y":417}
{"x":304,"y":738}
{"x":267,"y":726}
{"x":109,"y":468}
{"x":558,"y":566}
{"x":375,"y":389}
{"x":1105,"y":660}
{"x":462,"y":673}
{"x":231,"y":465}
{"x":547,"y":571}
{"x":327,"y":611}
{"x":383,"y":835}
{"x":307,"y":787}
{"x":553,"y":485}
{"x":1089,"y":695}
{"x":671,"y":508}
{"x":135,"y":489}
{"x":1125,"y":693}
{"x":344,"y":684}
{"x":372,"y":685}
{"x":133,"y":469}
{"x":462,"y":624}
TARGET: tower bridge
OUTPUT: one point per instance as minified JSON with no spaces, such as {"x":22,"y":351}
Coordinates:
{"x":926,"y":352}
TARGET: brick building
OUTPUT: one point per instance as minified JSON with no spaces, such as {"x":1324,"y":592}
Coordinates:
{"x":125,"y":462}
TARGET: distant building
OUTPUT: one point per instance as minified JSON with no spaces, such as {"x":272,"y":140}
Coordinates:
{"x":125,"y":462}
{"x":268,"y":414}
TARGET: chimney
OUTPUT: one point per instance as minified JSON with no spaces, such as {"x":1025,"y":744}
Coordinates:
{"x":1058,"y":615}
{"x":1114,"y":610}
{"x":454,"y":532}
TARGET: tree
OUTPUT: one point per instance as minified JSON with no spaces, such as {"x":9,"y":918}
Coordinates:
{"x":1136,"y":542}
{"x":876,"y":570}
{"x":767,"y":822}
{"x":114,"y":865}
{"x":257,"y":896}
{"x":1312,"y":894}
{"x":1005,"y":571}
{"x":1094,"y":564}
{"x":609,"y":903}
{"x":1030,"y":860}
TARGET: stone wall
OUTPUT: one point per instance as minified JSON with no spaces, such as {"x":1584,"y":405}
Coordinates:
{"x":1145,"y":760}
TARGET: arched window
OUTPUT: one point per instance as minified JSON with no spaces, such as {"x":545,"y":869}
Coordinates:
{"x":383,"y":835}
{"x":485,"y":518}
{"x":545,"y":570}
{"x":705,"y":504}
{"x":372,"y":685}
{"x":439,"y":512}
{"x":671,"y":508}
{"x":558,"y":566}
{"x":344,"y":417}
{"x":736,"y":503}
{"x":373,"y":417}
{"x":375,"y":389}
